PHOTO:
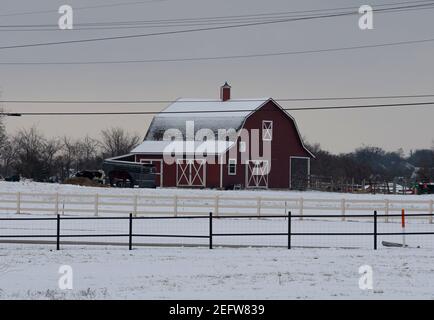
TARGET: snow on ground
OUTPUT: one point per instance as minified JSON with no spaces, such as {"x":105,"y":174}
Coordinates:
{"x":317,"y":266}
{"x":43,"y":198}
{"x":27,"y":186}
{"x":116,"y":232}
{"x":31,"y":272}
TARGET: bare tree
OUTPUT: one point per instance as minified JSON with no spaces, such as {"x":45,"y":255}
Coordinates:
{"x":3,"y":145}
{"x":29,"y":148}
{"x":3,"y":136}
{"x":70,"y":154}
{"x":8,"y":157}
{"x":116,"y":141}
{"x":49,"y":153}
{"x":89,"y":150}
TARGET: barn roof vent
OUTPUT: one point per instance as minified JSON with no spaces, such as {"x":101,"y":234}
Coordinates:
{"x":225,"y":92}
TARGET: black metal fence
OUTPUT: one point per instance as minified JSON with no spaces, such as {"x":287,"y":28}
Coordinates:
{"x":210,"y":235}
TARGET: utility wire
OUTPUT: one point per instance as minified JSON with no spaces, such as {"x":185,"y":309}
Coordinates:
{"x":195,"y":21}
{"x":210,"y":100}
{"x":246,"y":56}
{"x":42,"y":44}
{"x":237,"y":17}
{"x":14,"y":14}
{"x":138,"y":25}
{"x":395,"y":105}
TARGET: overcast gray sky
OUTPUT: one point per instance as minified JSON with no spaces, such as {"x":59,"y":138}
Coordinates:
{"x":397,"y":70}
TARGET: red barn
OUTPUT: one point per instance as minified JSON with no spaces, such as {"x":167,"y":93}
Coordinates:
{"x":225,"y":143}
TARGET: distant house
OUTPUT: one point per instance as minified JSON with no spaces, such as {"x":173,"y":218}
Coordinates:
{"x":225,"y":143}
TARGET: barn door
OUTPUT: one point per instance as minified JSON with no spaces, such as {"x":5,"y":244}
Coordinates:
{"x":158,"y":170}
{"x":299,"y":173}
{"x":257,"y":174}
{"x":190,"y":173}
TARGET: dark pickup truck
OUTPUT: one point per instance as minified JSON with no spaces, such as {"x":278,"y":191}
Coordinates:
{"x":126,"y":174}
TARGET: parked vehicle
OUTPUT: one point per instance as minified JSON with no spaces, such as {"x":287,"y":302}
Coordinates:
{"x":95,"y":175}
{"x":424,"y":188}
{"x":14,"y":178}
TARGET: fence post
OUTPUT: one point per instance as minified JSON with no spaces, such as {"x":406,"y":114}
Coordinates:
{"x":58,"y":233}
{"x":343,"y":208}
{"x":301,"y":208}
{"x":210,"y":230}
{"x":431,"y":205}
{"x":175,"y":205}
{"x":375,"y":230}
{"x":289,"y":229}
{"x":56,"y":207}
{"x":130,"y":233}
{"x":386,"y":210}
{"x":135,"y":205}
{"x":96,"y":205}
{"x":258,"y":206}
{"x":18,"y":202}
{"x":216,"y":205}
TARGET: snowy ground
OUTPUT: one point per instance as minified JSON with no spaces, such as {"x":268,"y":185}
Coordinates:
{"x":261,"y":268}
{"x":44,"y":198}
{"x":31,"y":272}
{"x":27,"y":186}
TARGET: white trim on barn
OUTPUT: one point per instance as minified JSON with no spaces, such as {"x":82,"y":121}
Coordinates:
{"x":232,"y":162}
{"x":189,"y":171}
{"x":256,"y":175}
{"x":151,"y":161}
{"x":267,"y":130}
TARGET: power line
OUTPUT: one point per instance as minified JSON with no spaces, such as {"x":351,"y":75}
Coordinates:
{"x":41,"y":44}
{"x":246,"y":56}
{"x":140,"y":25}
{"x":208,"y":100}
{"x":210,"y":20}
{"x":80,"y":8}
{"x":231,"y":17}
{"x":395,"y":105}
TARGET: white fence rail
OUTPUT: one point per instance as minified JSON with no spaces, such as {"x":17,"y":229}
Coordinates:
{"x":106,"y":204}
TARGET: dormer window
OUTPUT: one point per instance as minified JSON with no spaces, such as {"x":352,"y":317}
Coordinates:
{"x":267,"y":130}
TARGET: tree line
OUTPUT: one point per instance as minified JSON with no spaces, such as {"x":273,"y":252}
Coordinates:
{"x":30,"y":154}
{"x":373,"y":164}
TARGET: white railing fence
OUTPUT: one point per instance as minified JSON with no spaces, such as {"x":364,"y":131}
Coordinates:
{"x":138,"y":204}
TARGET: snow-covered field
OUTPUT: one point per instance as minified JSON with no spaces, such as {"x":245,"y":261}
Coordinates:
{"x":27,"y":186}
{"x":260,"y":268}
{"x":31,"y":272}
{"x":42,"y":198}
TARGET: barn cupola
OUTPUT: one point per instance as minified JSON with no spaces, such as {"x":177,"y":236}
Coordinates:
{"x":225,"y":92}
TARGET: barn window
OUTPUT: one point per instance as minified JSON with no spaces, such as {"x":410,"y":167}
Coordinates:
{"x":232,"y":167}
{"x":267,"y":130}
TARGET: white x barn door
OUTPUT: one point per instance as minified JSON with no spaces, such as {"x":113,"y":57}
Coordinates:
{"x":257,"y":174}
{"x":190,"y":173}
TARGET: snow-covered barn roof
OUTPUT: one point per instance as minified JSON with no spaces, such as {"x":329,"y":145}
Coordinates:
{"x":211,"y":147}
{"x":210,"y":114}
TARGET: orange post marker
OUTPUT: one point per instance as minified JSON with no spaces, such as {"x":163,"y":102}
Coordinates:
{"x":403,"y":218}
{"x":403,"y":226}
